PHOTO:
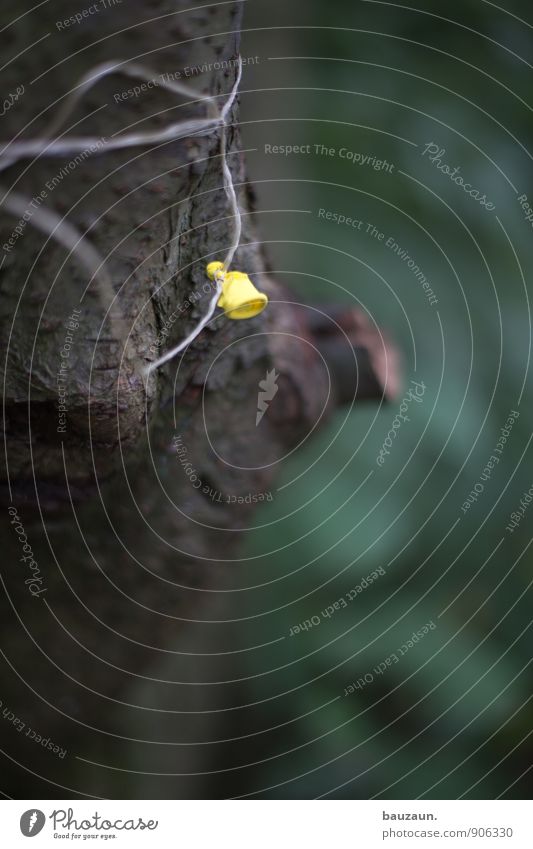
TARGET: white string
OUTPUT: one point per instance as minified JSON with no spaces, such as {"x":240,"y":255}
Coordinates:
{"x":193,"y":334}
{"x":50,"y":223}
{"x":67,"y":235}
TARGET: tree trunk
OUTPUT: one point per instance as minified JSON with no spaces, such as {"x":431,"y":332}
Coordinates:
{"x":130,"y":502}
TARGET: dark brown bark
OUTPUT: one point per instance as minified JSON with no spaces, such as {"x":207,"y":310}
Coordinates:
{"x":107,"y":506}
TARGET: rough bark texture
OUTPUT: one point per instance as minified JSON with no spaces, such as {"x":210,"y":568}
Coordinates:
{"x":126,"y":547}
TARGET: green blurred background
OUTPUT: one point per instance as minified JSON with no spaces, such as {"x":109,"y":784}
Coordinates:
{"x":452,"y":717}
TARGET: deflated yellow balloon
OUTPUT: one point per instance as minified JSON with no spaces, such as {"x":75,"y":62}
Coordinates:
{"x":239,"y":298}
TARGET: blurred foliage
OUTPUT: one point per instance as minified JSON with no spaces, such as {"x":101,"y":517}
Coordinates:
{"x":452,"y":717}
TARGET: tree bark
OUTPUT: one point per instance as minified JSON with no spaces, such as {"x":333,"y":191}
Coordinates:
{"x":131,"y":551}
